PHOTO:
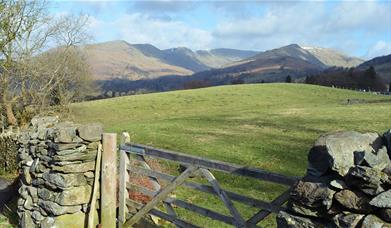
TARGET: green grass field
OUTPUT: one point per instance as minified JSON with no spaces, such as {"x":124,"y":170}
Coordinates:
{"x":268,"y":126}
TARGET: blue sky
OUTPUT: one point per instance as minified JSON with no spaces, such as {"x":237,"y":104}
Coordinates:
{"x":359,"y":28}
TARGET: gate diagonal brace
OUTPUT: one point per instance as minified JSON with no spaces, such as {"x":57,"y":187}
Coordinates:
{"x":161,"y":195}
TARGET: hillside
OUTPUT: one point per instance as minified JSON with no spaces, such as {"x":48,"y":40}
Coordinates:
{"x":382,"y":67}
{"x":332,"y":57}
{"x":270,"y":66}
{"x":276,"y":64}
{"x":269,"y":126}
{"x":119,"y":59}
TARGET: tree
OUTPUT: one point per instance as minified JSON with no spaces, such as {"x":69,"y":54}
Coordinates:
{"x":389,"y":87}
{"x":31,"y":77}
{"x":288,"y":79}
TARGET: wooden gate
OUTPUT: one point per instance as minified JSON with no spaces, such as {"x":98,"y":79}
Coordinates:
{"x":131,"y":211}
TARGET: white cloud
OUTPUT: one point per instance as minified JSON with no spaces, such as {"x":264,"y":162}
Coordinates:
{"x":379,"y":49}
{"x":348,"y":26}
{"x":139,"y":28}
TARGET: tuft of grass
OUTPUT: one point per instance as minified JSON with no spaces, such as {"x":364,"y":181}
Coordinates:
{"x":268,"y":126}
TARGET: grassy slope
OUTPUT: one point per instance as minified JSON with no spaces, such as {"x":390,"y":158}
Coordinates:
{"x":269,"y":126}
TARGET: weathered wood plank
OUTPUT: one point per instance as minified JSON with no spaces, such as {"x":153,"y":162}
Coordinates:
{"x":192,"y":207}
{"x":263,"y":213}
{"x":109,"y":181}
{"x":239,"y":221}
{"x":123,"y":193}
{"x":173,"y":219}
{"x":142,"y":189}
{"x":201,"y":210}
{"x":208,"y":189}
{"x":161,"y":195}
{"x":209,"y":164}
{"x":92,"y":209}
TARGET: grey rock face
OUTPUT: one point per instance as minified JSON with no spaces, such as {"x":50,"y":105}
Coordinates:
{"x":27,"y":221}
{"x":376,"y":159}
{"x":64,"y":181}
{"x":369,"y":180}
{"x":348,"y":220}
{"x":55,"y":209}
{"x":383,"y":200}
{"x":315,"y":195}
{"x":336,"y":151}
{"x":354,"y":201}
{"x":90,"y":132}
{"x":67,"y":135}
{"x":372,"y":221}
{"x":76,"y":168}
{"x":287,"y":220}
{"x":75,"y":196}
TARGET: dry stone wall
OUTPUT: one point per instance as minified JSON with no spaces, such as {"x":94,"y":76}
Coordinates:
{"x":57,"y":167}
{"x":8,"y":157}
{"x":348,"y":184}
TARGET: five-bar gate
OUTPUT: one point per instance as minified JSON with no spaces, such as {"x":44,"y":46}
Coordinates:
{"x":131,"y":211}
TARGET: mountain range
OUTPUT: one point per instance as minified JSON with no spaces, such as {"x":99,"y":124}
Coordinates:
{"x":121,"y":60}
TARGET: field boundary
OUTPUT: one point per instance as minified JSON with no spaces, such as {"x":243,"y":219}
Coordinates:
{"x":131,"y":211}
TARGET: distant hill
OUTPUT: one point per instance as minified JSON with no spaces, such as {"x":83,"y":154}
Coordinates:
{"x":331,"y":57}
{"x":382,"y":67}
{"x":152,"y":69}
{"x":119,"y":59}
{"x":270,"y":66}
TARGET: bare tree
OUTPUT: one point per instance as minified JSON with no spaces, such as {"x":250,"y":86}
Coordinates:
{"x":33,"y":76}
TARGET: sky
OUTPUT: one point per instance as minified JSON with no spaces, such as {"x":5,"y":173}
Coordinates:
{"x":357,"y":28}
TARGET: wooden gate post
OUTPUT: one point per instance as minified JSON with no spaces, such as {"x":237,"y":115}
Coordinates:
{"x":109,"y":180}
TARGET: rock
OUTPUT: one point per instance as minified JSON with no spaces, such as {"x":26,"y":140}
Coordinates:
{"x":47,"y":222}
{"x":368,"y":180}
{"x":306,"y":211}
{"x":55,"y":209}
{"x":26,"y":221}
{"x":75,"y":168}
{"x":28,"y":203}
{"x":64,"y":181}
{"x":383,"y":200}
{"x":89,"y":175}
{"x":75,"y":196}
{"x":79,"y":149}
{"x":26,"y":175}
{"x":37,"y":216}
{"x":83,"y":156}
{"x":93,"y":145}
{"x":67,"y":135}
{"x":75,"y":220}
{"x":314,"y":195}
{"x":376,"y":159}
{"x":286,"y":220}
{"x":90,"y":132}
{"x":338,"y":184}
{"x":46,"y":194}
{"x":348,"y":220}
{"x":354,"y":201}
{"x":336,"y":151}
{"x":385,"y":214}
{"x":33,"y":193}
{"x":371,"y":221}
{"x":62,"y":146}
{"x":44,"y":122}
